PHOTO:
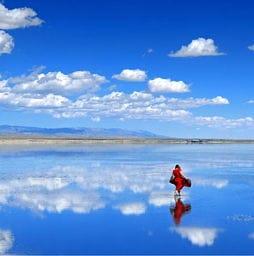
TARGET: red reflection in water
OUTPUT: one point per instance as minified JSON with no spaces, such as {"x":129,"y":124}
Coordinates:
{"x":179,"y":210}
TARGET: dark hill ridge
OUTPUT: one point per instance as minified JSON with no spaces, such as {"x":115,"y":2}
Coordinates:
{"x":36,"y":132}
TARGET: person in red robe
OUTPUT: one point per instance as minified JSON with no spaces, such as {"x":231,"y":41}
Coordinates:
{"x":179,"y":180}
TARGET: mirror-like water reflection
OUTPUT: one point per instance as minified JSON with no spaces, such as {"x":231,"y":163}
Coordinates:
{"x":179,"y":209}
{"x":116,"y":199}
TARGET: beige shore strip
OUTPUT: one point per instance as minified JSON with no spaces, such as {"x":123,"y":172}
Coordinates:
{"x":62,"y":141}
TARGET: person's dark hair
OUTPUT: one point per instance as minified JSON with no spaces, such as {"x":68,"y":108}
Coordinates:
{"x":177,"y":166}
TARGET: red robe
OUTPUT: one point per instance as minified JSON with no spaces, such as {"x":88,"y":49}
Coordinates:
{"x":179,"y":180}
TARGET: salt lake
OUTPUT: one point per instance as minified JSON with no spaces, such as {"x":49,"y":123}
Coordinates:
{"x":116,"y":199}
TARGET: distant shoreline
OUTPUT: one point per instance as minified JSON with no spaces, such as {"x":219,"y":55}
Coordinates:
{"x":62,"y":141}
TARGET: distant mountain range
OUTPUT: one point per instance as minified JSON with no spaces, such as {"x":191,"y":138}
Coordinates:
{"x":36,"y":132}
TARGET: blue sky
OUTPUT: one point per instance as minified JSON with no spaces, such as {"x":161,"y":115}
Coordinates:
{"x":177,"y":68}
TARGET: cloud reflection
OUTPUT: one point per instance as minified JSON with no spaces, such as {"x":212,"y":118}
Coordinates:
{"x":58,"y":201}
{"x":132,"y":208}
{"x":159,"y":199}
{"x":198,"y":236}
{"x":217,"y":183}
{"x":82,"y":190}
{"x":85,"y":189}
{"x":241,"y":217}
{"x":251,"y":236}
{"x":6,"y":241}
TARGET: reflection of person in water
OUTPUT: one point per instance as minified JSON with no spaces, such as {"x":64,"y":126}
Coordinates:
{"x":179,"y":180}
{"x":179,"y":209}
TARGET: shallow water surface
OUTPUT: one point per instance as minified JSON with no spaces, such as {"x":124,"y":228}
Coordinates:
{"x":116,"y":199}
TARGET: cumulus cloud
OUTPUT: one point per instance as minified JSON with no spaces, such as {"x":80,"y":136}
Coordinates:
{"x":28,"y":101}
{"x":131,"y":75}
{"x":6,"y":43}
{"x":220,"y":100}
{"x":198,"y":47}
{"x":132,"y":208}
{"x":3,"y":87}
{"x":6,"y":241}
{"x":197,"y":102}
{"x":160,"y":85}
{"x":198,"y":236}
{"x":58,"y":82}
{"x":18,"y":18}
{"x":75,"y":95}
{"x":138,"y":105}
{"x":42,"y":93}
{"x":221,"y":122}
{"x":147,"y":52}
{"x":49,"y":100}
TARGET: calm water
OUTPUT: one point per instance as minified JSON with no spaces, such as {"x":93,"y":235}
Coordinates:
{"x":116,"y":199}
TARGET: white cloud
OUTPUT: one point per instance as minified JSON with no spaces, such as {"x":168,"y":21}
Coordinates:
{"x":160,"y":85}
{"x":197,"y":102}
{"x":217,"y":183}
{"x":49,"y":100}
{"x":43,"y":93}
{"x":3,"y":86}
{"x":131,"y":208}
{"x":6,"y":43}
{"x":18,"y":18}
{"x":198,"y":47}
{"x":138,"y":105}
{"x":58,"y":82}
{"x":198,"y":236}
{"x":112,"y":87}
{"x":22,"y":94}
{"x":220,"y":100}
{"x":251,"y":47}
{"x":6,"y":241}
{"x":148,"y":51}
{"x":131,"y":75}
{"x":221,"y":122}
{"x":33,"y":101}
